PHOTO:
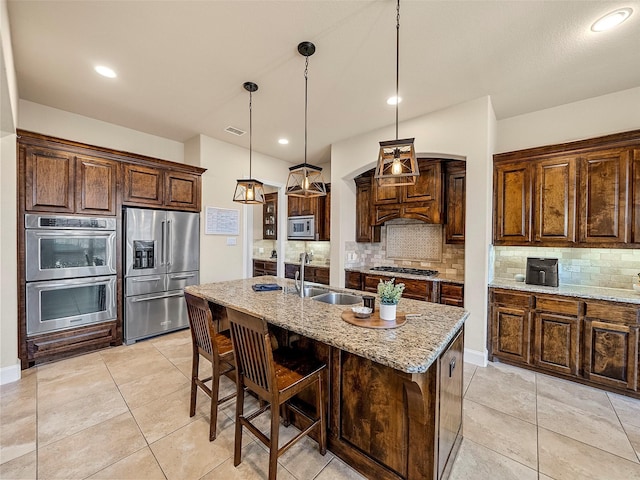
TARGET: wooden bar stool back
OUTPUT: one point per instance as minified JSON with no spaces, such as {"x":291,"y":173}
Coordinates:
{"x":275,"y":376}
{"x":215,"y":347}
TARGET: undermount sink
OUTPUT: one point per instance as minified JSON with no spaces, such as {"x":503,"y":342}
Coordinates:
{"x":336,"y":298}
{"x":314,"y":291}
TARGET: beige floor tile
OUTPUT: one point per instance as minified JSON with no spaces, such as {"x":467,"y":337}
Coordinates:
{"x":139,"y":465}
{"x":573,"y":394}
{"x":542,"y":476}
{"x":505,"y":388}
{"x":633,"y":433}
{"x":563,"y":458}
{"x":17,"y":438}
{"x":338,"y":470}
{"x":469,"y":371}
{"x":475,"y":462}
{"x":125,"y":367}
{"x":627,"y":408}
{"x":62,"y":420}
{"x":254,"y":466}
{"x":501,"y":433}
{"x":68,"y":368}
{"x":18,"y":399}
{"x":175,"y":338}
{"x":263,"y":423}
{"x":21,"y":468}
{"x":303,"y":459}
{"x":90,"y":450}
{"x":151,"y":387}
{"x":599,"y":428}
{"x":123,"y":353}
{"x":175,"y":347}
{"x":187,"y":453}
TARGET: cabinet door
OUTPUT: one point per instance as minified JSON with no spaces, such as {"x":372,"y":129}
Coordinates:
{"x":611,"y":354}
{"x":321,"y":275}
{"x":365,"y":231}
{"x":309,"y":206}
{"x":182,"y":190}
{"x":557,"y":343}
{"x":270,"y":216}
{"x":142,"y":185}
{"x":428,"y":186}
{"x":450,"y":413}
{"x":49,"y":180}
{"x":555,"y":200}
{"x":429,"y":212}
{"x":370,"y":282}
{"x":386,"y":195}
{"x":383,"y":213}
{"x":512,"y":203}
{"x":96,"y":182}
{"x":511,"y":333}
{"x":603,"y":196}
{"x":452,"y":294}
{"x":325,"y":219}
{"x":456,"y":206}
{"x":290,"y":270}
{"x":353,"y":280}
{"x":416,"y":289}
{"x":294,"y":206}
{"x":635,"y":196}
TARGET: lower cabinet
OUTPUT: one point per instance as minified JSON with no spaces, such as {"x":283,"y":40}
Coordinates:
{"x":264,"y":267}
{"x":311,"y":273}
{"x":590,"y":341}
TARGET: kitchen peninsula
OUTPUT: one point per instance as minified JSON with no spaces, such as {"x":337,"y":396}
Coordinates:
{"x":394,"y":398}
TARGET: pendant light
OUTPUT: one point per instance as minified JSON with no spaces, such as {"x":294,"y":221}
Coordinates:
{"x":249,"y":191}
{"x":305,"y":180}
{"x":397,"y":164}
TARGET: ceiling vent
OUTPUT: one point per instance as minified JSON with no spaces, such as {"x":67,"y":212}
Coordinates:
{"x":234,"y":131}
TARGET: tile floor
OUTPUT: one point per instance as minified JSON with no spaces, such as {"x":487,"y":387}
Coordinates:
{"x":122,"y":413}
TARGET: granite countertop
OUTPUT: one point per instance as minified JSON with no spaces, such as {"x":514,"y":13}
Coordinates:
{"x":310,"y":264}
{"x":411,"y":348}
{"x":582,"y":291}
{"x":440,"y":277}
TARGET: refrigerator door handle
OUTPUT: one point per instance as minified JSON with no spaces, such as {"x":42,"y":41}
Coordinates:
{"x":169,"y":243}
{"x":162,"y":246}
{"x":158,"y":297}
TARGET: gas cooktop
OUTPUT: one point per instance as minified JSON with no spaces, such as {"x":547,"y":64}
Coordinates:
{"x":412,"y":271}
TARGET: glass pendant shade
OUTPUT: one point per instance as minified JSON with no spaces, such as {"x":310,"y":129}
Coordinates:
{"x":249,"y":191}
{"x":305,"y":180}
{"x":397,"y":163}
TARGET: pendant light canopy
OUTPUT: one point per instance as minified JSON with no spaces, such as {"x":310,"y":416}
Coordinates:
{"x":249,"y":191}
{"x":397,"y":164}
{"x":305,"y":180}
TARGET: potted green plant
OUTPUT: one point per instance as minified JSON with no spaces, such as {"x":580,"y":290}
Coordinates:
{"x":390,"y":293}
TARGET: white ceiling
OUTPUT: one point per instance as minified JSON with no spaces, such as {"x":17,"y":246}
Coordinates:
{"x":181,"y":64}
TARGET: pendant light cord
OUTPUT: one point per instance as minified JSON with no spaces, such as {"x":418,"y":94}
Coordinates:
{"x":397,"y":62}
{"x":306,"y":80}
{"x":250,"y":131}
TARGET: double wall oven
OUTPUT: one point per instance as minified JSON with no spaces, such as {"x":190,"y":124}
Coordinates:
{"x":70,"y":271}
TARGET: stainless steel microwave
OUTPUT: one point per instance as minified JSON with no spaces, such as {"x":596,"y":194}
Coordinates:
{"x":301,"y":228}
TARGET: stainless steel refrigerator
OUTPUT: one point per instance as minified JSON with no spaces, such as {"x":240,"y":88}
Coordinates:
{"x":162,"y":256}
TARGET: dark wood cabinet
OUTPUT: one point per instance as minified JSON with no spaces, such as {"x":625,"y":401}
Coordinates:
{"x":451,"y":294}
{"x":270,"y":217}
{"x":319,"y":207}
{"x":365,"y":231}
{"x":353,"y":280}
{"x":554,"y":207}
{"x":311,"y":273}
{"x":455,"y":193}
{"x":589,"y":341}
{"x":96,"y":185}
{"x":264,"y":267}
{"x":182,"y":190}
{"x":580,"y":194}
{"x":142,"y":185}
{"x":49,"y":180}
{"x":603,"y":197}
{"x":512,"y":203}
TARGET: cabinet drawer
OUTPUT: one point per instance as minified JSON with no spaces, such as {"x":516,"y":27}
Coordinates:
{"x":353,"y":280}
{"x":416,"y":289}
{"x":321,"y":275}
{"x":560,"y":306}
{"x":613,"y":313}
{"x":370,"y":283}
{"x":511,"y":298}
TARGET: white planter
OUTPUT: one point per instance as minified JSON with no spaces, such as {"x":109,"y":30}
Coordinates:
{"x":387,"y":312}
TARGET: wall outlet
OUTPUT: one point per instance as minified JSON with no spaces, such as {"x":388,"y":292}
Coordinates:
{"x":232,"y":241}
{"x":260,"y":250}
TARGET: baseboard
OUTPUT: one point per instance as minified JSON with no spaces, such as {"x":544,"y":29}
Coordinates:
{"x":475,"y":357}
{"x":10,"y":374}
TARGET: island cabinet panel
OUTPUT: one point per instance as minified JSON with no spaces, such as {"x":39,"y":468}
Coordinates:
{"x":375,"y":423}
{"x":603,"y":198}
{"x":96,"y":184}
{"x":555,"y":200}
{"x":512,"y":203}
{"x":49,"y":180}
{"x":450,"y":414}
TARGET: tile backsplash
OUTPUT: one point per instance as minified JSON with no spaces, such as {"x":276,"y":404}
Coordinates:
{"x":597,"y":267}
{"x":408,"y":243}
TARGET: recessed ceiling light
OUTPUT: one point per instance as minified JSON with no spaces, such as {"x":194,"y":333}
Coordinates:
{"x":105,"y":71}
{"x":612,"y":19}
{"x":393,"y":100}
{"x":283,"y":141}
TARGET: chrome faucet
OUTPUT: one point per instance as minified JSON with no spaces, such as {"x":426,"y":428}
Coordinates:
{"x":300,"y":288}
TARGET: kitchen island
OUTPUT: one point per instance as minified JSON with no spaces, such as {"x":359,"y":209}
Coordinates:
{"x":394,"y":398}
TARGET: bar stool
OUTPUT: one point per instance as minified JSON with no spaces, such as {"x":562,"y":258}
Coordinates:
{"x":216,"y":348}
{"x":275,"y":377}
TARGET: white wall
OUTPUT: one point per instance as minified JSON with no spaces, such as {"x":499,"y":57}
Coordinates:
{"x":594,"y":117}
{"x":225,"y":163}
{"x":465,"y":130}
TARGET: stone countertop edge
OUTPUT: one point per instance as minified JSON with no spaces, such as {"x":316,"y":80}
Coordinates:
{"x":411,"y":348}
{"x":441,"y":277}
{"x":581,"y":291}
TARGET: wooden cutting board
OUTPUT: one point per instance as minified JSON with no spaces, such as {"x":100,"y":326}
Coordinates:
{"x":374,"y":321}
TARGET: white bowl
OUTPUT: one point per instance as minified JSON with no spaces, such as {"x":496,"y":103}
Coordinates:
{"x":361,"y":312}
{"x":636,"y":287}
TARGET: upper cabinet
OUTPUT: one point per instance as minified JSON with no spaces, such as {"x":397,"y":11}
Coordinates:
{"x":580,"y":194}
{"x":455,"y":193}
{"x":365,"y":231}
{"x":319,"y":207}
{"x":65,"y":182}
{"x":270,"y":216}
